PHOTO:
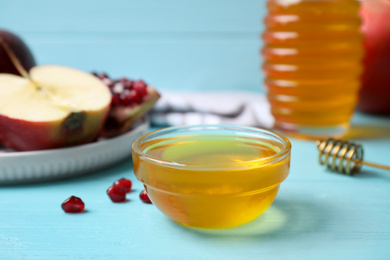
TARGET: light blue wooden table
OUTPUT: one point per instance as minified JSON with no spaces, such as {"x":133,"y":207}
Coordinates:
{"x":191,"y":45}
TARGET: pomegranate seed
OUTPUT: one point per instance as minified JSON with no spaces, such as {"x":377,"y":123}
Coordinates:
{"x":129,"y":85}
{"x":140,"y":86}
{"x":123,"y":81}
{"x":117,"y":88}
{"x":129,"y":97}
{"x":125,"y":92}
{"x":124,"y":184}
{"x":103,"y":75}
{"x":115,"y":100}
{"x":108,"y":82}
{"x":144,"y":197}
{"x":126,"y":83}
{"x":134,"y":96}
{"x":73,"y":204}
{"x":125,"y":98}
{"x":116,"y":194}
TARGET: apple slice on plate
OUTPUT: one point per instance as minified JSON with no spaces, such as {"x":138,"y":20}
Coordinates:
{"x":54,"y":107}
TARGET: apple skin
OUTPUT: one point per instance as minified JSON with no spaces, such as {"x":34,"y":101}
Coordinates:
{"x":21,"y":135}
{"x":21,"y":51}
{"x":375,"y":90}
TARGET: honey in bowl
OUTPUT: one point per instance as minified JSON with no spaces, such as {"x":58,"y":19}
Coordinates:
{"x":212,"y":176}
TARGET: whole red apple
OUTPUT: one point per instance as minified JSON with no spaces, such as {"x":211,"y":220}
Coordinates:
{"x":20,"y":50}
{"x":375,"y":91}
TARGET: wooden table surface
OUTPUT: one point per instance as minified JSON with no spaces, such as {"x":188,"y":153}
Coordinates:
{"x":187,"y":45}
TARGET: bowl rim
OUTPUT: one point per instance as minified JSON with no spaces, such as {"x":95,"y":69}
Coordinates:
{"x":264,"y":160}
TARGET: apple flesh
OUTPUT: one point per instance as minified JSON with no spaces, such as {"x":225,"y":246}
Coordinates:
{"x":57,"y":107}
{"x":375,"y":91}
{"x":21,"y":51}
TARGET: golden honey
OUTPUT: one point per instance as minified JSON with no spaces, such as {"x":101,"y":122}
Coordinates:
{"x":211,"y":181}
{"x":312,"y":62}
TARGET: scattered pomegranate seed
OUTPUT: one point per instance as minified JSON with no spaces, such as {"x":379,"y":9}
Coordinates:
{"x":124,"y":184}
{"x":116,"y":194}
{"x":73,"y":204}
{"x":144,"y":197}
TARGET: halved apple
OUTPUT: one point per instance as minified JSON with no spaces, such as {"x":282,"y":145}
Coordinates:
{"x":56,"y":107}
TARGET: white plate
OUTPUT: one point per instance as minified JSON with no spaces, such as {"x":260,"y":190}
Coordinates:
{"x":22,"y":167}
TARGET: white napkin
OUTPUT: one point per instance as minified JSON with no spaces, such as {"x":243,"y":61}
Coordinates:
{"x":233,"y":108}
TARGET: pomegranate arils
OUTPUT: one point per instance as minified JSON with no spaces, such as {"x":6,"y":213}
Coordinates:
{"x":134,"y":96}
{"x":124,"y":184}
{"x":125,"y":98}
{"x":124,"y":81}
{"x":130,"y":84}
{"x":144,"y":197}
{"x":100,"y":75}
{"x":130,"y":99}
{"x":73,"y":205}
{"x":125,"y":92}
{"x":140,"y":86}
{"x":116,"y":88}
{"x":108,"y":82}
{"x":115,"y":100}
{"x":116,"y":194}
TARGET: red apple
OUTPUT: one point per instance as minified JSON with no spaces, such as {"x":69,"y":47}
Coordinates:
{"x":20,"y":50}
{"x":375,"y":91}
{"x":56,"y":107}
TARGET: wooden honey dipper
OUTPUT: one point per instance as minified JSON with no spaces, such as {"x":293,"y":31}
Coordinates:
{"x":343,"y":156}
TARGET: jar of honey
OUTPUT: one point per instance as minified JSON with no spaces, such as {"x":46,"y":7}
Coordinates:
{"x":312,"y":63}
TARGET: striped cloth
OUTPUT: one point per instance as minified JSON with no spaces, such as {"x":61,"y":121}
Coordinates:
{"x":191,"y":108}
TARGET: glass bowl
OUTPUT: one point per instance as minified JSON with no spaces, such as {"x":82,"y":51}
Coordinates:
{"x":211,"y":176}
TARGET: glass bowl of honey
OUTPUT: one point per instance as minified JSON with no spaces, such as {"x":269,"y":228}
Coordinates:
{"x":212,"y":176}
